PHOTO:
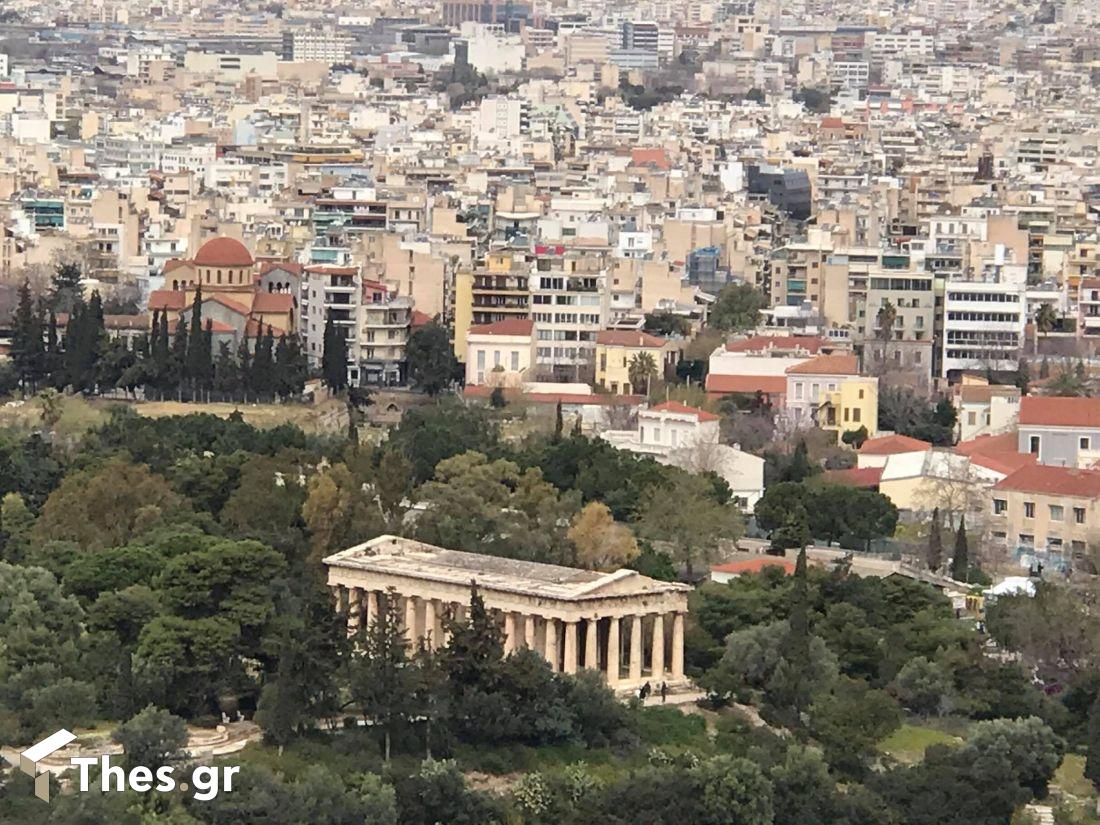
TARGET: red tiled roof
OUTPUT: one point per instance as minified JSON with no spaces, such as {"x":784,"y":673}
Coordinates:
{"x":1006,"y":462}
{"x":1060,"y":411}
{"x":286,"y":266}
{"x":832,"y":123}
{"x":855,"y":476}
{"x":754,"y":565}
{"x":767,"y":384}
{"x":223,"y":252}
{"x":219,"y":326}
{"x":984,"y":444}
{"x":419,"y":319}
{"x":893,"y":444}
{"x":760,"y":343}
{"x":643,"y":156}
{"x":509,"y":326}
{"x":254,"y":329}
{"x":174,"y":264}
{"x":629,"y":338}
{"x":827,"y":365}
{"x":273,"y":302}
{"x":1055,"y":481}
{"x":170,"y":299}
{"x":684,"y":409}
{"x":228,"y":303}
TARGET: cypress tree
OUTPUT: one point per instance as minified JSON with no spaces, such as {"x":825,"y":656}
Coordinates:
{"x":334,"y":358}
{"x":263,"y":366}
{"x":283,"y":367}
{"x":244,"y":364}
{"x":226,"y":374}
{"x":935,"y":542}
{"x":960,"y":564}
{"x":208,"y":354}
{"x":195,"y":367}
{"x":74,"y":337}
{"x":25,"y":332}
{"x":53,"y":351}
{"x":177,"y":364}
{"x":161,"y":371}
{"x":559,"y":423}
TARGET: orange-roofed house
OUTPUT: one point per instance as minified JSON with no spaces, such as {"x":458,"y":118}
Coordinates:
{"x":501,"y":354}
{"x":729,"y":570}
{"x":758,"y":365}
{"x":616,"y":349}
{"x":1043,"y":508}
{"x":1062,"y":432}
{"x":828,"y":391}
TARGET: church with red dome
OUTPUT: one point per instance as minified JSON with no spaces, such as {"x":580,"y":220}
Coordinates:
{"x":234,"y":297}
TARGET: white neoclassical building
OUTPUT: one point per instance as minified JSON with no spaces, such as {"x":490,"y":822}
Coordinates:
{"x":626,"y":625}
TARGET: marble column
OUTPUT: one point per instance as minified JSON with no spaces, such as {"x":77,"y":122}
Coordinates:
{"x":613,"y":652}
{"x":372,"y":607}
{"x":658,"y":654}
{"x":412,"y":634}
{"x":509,"y":632}
{"x":592,"y":644}
{"x":430,"y":634}
{"x":552,"y":644}
{"x":570,"y":647}
{"x":678,"y":646}
{"x":635,"y":648}
{"x":529,"y":638}
{"x":355,"y":607}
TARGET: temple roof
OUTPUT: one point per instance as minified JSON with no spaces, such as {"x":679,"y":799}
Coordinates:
{"x":413,"y":559}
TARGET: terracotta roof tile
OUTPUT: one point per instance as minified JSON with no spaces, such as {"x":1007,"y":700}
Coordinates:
{"x":827,"y":365}
{"x":892,"y":445}
{"x":855,"y":476}
{"x":767,"y":384}
{"x":1055,"y":481}
{"x":1058,"y":411}
{"x":509,"y":326}
{"x":629,"y":338}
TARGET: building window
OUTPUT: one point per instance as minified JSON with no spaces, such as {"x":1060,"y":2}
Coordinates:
{"x":657,"y":435}
{"x":1000,"y":506}
{"x":861,"y":395}
{"x":1027,"y":539}
{"x":856,"y":414}
{"x":1084,"y":442}
{"x":1079,"y":515}
{"x":1029,"y":509}
{"x":480,"y":356}
{"x":1033,"y":444}
{"x":1056,"y":512}
{"x":515,"y":360}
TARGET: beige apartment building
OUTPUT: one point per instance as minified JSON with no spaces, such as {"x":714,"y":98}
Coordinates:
{"x":1040,"y":507}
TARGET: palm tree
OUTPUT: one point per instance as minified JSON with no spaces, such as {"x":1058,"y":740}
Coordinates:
{"x":641,"y":370}
{"x":1045,"y":318}
{"x":885,"y":319}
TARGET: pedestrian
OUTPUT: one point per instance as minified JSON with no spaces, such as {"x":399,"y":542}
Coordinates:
{"x":647,"y":689}
{"x":664,"y":692}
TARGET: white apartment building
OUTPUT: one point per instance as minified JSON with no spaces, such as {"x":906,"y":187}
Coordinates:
{"x":503,"y":118}
{"x":322,"y":45}
{"x":687,"y":437}
{"x":983,"y":325}
{"x":501,"y":354}
{"x":910,"y":43}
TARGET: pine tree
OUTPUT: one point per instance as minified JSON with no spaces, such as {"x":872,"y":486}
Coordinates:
{"x":72,"y":359}
{"x":381,"y":679}
{"x":472,"y":657}
{"x":65,"y":288}
{"x":960,"y":564}
{"x":195,"y":366}
{"x":935,"y":542}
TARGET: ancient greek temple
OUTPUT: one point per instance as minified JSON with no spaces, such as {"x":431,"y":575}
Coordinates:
{"x":626,"y":625}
